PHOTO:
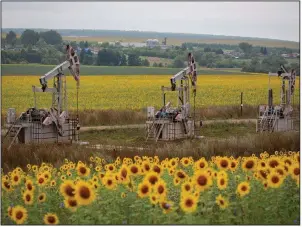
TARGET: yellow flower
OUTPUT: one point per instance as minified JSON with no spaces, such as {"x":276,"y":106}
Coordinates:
{"x":19,"y":214}
{"x":188,"y":203}
{"x":84,"y":193}
{"x":221,"y":202}
{"x":51,"y":219}
{"x":243,"y":188}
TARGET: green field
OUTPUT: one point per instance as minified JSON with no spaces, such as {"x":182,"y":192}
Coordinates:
{"x":36,"y":69}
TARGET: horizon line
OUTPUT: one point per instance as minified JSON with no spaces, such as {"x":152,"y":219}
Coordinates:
{"x":155,"y":32}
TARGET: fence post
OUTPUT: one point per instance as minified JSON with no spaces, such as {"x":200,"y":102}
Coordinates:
{"x":241,"y":104}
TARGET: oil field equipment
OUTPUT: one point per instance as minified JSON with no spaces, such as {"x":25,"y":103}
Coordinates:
{"x":179,"y":122}
{"x":54,"y":125}
{"x":279,"y":117}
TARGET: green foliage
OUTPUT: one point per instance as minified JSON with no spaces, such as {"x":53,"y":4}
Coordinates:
{"x":51,"y":37}
{"x":36,"y":69}
{"x":11,"y":38}
{"x":246,"y":47}
{"x":108,"y":57}
{"x":29,"y":37}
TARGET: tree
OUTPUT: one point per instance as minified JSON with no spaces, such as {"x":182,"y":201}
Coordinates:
{"x":52,"y":37}
{"x":108,"y":57}
{"x":123,"y":60}
{"x":178,"y":63}
{"x":245,"y":47}
{"x":11,"y":38}
{"x":219,"y":51}
{"x":86,"y":44}
{"x":207,"y":49}
{"x":134,"y":60}
{"x":29,"y":37}
{"x":264,"y":51}
{"x":145,"y":62}
{"x":155,"y":64}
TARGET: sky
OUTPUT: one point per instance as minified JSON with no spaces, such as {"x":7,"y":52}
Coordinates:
{"x":275,"y":20}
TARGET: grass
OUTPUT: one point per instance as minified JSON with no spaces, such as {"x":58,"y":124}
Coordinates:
{"x":37,"y":69}
{"x":235,"y":145}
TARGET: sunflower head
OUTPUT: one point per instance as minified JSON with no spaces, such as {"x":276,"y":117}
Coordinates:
{"x":188,"y":203}
{"x":243,"y":188}
{"x":51,"y":219}
{"x":221,"y":202}
{"x":19,"y":214}
{"x":84,"y":193}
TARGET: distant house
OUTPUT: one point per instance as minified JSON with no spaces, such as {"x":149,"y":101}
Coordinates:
{"x":152,"y":43}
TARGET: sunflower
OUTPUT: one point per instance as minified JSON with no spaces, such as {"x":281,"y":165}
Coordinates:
{"x":53,"y":183}
{"x":223,"y":163}
{"x":262,"y":173}
{"x":188,"y":203}
{"x":202,"y":180}
{"x":157,"y":168}
{"x":109,"y":182}
{"x":84,"y":193}
{"x":274,"y":180}
{"x":222,"y":182}
{"x":176,"y":181}
{"x":98,"y":168}
{"x":180,"y":174}
{"x":201,"y":164}
{"x":294,"y":171}
{"x":152,"y":178}
{"x":19,"y":214}
{"x":41,"y":180}
{"x":124,"y":174}
{"x":273,"y":162}
{"x":134,"y":170}
{"x":51,"y":219}
{"x":15,"y":178}
{"x":144,"y":189}
{"x":187,"y":187}
{"x":160,"y":188}
{"x":7,"y":186}
{"x":166,"y":206}
{"x":243,"y":188}
{"x":221,"y":202}
{"x":83,"y":170}
{"x":154,"y":198}
{"x":146,"y":166}
{"x":185,"y":161}
{"x":110,"y":167}
{"x":29,"y":185}
{"x":67,"y":189}
{"x":262,"y":163}
{"x":47,"y":175}
{"x":41,"y":197}
{"x":171,"y":171}
{"x":249,"y":164}
{"x":173,"y":162}
{"x":10,"y":211}
{"x":71,"y":204}
{"x":28,"y":197}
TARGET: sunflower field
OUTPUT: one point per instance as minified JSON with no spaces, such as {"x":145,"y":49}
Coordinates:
{"x":126,"y":92}
{"x":146,"y":190}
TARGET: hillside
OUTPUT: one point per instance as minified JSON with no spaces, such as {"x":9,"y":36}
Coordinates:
{"x":173,"y":38}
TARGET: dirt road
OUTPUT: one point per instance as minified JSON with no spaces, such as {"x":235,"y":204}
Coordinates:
{"x":206,"y":122}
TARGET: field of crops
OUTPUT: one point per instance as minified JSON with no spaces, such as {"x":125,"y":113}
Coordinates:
{"x":137,"y":92}
{"x":146,"y":190}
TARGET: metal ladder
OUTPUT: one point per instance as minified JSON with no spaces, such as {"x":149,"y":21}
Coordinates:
{"x":153,"y":135}
{"x":12,"y":134}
